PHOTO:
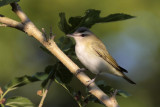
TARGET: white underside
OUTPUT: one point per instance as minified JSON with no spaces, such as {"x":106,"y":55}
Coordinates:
{"x":94,"y":63}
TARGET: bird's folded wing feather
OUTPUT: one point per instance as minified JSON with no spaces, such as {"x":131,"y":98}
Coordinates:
{"x":101,"y":51}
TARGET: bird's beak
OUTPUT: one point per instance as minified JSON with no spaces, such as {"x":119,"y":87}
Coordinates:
{"x":73,"y":34}
{"x":70,"y":35}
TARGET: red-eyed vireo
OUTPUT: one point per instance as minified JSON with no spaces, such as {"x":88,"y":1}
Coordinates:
{"x":94,"y":56}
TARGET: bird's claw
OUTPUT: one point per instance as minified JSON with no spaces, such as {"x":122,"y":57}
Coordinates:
{"x":90,"y":82}
{"x":80,"y":70}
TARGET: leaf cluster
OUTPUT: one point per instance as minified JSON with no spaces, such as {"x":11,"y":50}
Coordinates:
{"x":6,"y":2}
{"x":90,"y":18}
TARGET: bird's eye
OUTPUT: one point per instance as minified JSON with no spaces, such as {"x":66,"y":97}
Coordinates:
{"x":83,"y":35}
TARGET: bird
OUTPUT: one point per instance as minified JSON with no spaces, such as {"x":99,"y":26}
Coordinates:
{"x":93,"y":54}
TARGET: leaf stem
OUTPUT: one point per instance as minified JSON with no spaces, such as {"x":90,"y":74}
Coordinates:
{"x":5,"y":93}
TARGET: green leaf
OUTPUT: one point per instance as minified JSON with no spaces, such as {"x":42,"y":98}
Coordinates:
{"x":63,"y":78}
{"x":21,"y":81}
{"x":91,"y":98}
{"x":70,"y":91}
{"x":66,"y":87}
{"x":6,"y":2}
{"x":110,"y":90}
{"x":63,"y":25}
{"x":90,"y":18}
{"x":19,"y":102}
{"x":116,"y":17}
{"x":58,"y":72}
{"x":66,"y":45}
{"x":105,"y":88}
{"x":123,"y":93}
{"x":63,"y":75}
{"x":50,"y":70}
{"x":40,"y":76}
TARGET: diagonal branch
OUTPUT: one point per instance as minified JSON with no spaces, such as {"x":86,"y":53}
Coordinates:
{"x":32,"y":30}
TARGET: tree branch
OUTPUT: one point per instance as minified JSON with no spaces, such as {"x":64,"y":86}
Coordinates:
{"x":7,"y":22}
{"x":17,"y":9}
{"x":32,"y":30}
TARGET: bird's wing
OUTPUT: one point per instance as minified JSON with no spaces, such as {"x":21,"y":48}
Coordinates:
{"x":101,"y":51}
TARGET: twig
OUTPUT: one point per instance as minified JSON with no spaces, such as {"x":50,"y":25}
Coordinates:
{"x":17,"y":9}
{"x":11,"y":23}
{"x":51,"y":34}
{"x":113,"y":97}
{"x":45,"y":34}
{"x":115,"y":93}
{"x":45,"y":93}
{"x":32,"y":30}
{"x":4,"y":25}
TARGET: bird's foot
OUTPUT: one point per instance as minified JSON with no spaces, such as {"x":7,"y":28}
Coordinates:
{"x":80,"y":70}
{"x":91,"y":81}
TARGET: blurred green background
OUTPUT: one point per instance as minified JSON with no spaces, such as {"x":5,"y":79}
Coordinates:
{"x":133,"y":43}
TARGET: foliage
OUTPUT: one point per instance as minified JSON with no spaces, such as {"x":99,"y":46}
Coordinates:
{"x":90,"y":18}
{"x":21,"y":81}
{"x":58,"y":72}
{"x":19,"y":102}
{"x":6,"y":2}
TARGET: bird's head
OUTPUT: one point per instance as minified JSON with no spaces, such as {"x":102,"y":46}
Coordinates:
{"x":81,"y":33}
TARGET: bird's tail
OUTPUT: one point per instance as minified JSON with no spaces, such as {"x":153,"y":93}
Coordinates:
{"x":129,"y":80}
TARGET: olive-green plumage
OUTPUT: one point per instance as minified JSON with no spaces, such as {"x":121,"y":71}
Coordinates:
{"x":94,"y":56}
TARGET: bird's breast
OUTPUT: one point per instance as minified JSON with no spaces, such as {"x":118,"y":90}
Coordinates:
{"x":91,"y":61}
